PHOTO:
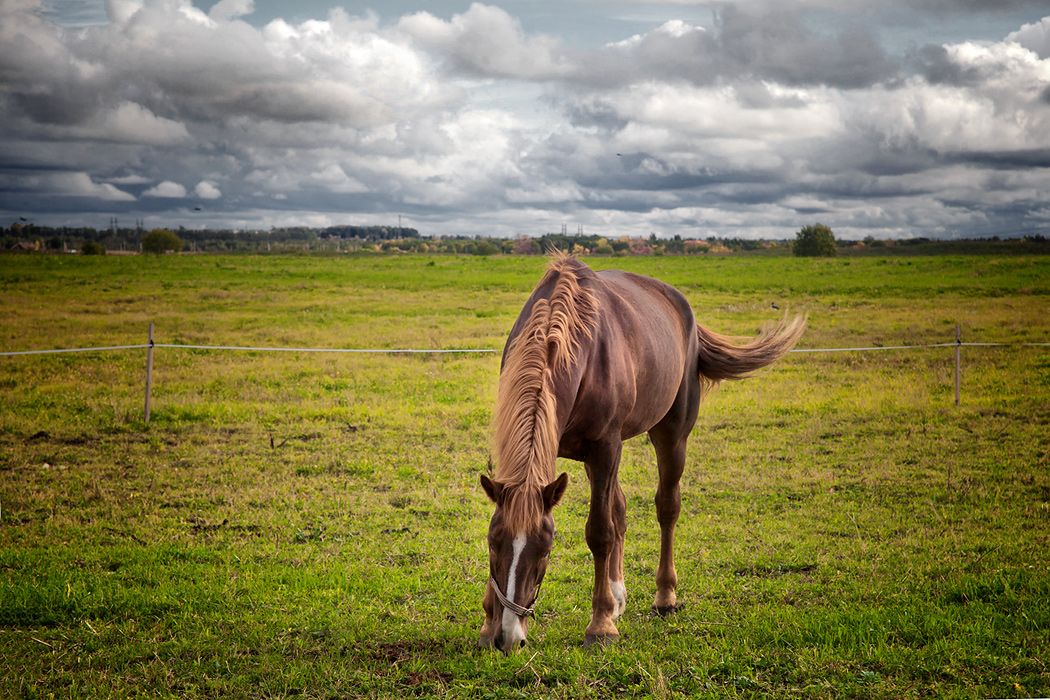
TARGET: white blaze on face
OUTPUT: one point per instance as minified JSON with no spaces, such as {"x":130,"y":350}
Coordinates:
{"x":513,"y":634}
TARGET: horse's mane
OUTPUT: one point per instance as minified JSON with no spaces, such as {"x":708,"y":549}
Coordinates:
{"x":525,"y":431}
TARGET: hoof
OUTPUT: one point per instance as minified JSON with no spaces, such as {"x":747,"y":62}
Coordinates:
{"x":667,"y":611}
{"x":602,"y":640}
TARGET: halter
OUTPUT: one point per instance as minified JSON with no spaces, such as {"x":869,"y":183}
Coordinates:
{"x":510,"y":604}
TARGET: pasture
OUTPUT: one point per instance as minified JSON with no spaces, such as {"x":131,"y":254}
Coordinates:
{"x":311,"y":525}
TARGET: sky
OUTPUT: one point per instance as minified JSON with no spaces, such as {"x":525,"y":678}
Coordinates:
{"x":738,"y":119}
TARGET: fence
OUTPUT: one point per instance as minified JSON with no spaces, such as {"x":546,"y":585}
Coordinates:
{"x":150,"y":345}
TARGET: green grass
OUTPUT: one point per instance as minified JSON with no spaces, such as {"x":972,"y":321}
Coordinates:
{"x":310,"y":525}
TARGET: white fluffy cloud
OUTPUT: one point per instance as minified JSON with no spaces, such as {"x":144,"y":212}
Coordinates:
{"x":206,"y":189}
{"x":471,"y":123}
{"x":1034,"y":37}
{"x":167,"y":190}
{"x":225,"y":10}
{"x":62,"y":184}
{"x":486,"y":40}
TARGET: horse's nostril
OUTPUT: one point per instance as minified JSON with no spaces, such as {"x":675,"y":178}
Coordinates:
{"x":521,"y":644}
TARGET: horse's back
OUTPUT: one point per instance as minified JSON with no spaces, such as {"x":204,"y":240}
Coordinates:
{"x":661,"y":307}
{"x":641,"y":355}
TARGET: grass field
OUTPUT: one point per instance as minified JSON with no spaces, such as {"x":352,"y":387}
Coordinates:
{"x":311,"y":525}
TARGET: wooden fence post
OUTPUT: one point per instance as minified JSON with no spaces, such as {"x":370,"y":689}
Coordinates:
{"x":149,"y":370}
{"x":958,"y":347}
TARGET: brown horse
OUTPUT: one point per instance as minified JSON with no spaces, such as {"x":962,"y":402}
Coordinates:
{"x":594,"y":359}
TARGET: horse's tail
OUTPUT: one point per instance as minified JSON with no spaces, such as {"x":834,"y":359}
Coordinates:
{"x":720,"y":359}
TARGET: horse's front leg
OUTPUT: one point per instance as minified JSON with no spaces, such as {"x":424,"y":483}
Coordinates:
{"x":490,"y":627}
{"x":616,"y":579}
{"x":606,"y":525}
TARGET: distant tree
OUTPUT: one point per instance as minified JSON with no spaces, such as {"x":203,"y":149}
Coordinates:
{"x":484,"y":247}
{"x":526,"y":246}
{"x":93,"y":248}
{"x":161,"y":240}
{"x":814,"y":241}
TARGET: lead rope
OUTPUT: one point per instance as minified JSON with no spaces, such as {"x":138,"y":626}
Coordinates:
{"x":510,"y":604}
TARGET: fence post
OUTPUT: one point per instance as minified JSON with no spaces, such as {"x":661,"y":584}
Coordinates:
{"x":958,"y":347}
{"x":149,"y":370}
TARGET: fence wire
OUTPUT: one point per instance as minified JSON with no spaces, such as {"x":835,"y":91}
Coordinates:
{"x":420,"y":351}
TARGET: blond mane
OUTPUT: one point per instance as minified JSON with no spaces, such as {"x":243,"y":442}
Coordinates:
{"x":524,"y":428}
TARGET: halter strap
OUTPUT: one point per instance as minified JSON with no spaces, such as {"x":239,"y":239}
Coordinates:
{"x":510,"y":604}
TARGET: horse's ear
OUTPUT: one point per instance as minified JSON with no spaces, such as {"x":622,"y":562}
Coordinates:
{"x":493,"y":489}
{"x":553,"y":491}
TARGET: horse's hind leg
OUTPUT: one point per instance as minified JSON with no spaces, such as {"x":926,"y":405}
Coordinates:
{"x":670,"y":437}
{"x":670,"y":460}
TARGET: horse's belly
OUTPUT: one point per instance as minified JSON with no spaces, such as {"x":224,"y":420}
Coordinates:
{"x":652,"y":402}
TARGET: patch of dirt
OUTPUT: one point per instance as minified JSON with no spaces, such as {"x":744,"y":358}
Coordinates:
{"x":393,"y":653}
{"x":430,"y":676}
{"x":44,"y":436}
{"x":776,"y":571}
{"x":395,"y":531}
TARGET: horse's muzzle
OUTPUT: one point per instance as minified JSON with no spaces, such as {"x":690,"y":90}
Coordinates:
{"x":500,"y":643}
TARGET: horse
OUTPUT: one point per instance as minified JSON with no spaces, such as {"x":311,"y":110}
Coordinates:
{"x":592,"y":360}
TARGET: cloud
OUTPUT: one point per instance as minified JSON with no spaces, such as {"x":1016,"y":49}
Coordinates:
{"x":130,"y":180}
{"x":777,"y":45}
{"x":131,"y":123}
{"x":206,"y":189}
{"x":487,"y":41}
{"x":764,"y":43}
{"x":81,"y":185}
{"x":334,"y":179}
{"x":120,"y":11}
{"x":1034,"y":37}
{"x":167,"y":190}
{"x":225,"y":10}
{"x":62,"y":184}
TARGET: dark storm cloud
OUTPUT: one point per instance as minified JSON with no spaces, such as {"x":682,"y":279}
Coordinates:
{"x":774,"y":44}
{"x":1006,"y":160}
{"x":936,"y":66}
{"x":777,"y":45}
{"x":971,"y":6}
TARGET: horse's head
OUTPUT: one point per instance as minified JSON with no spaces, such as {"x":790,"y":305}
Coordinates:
{"x":519,"y":550}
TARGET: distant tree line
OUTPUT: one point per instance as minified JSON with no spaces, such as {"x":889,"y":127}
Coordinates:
{"x":122,"y":238}
{"x":810,"y":240}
